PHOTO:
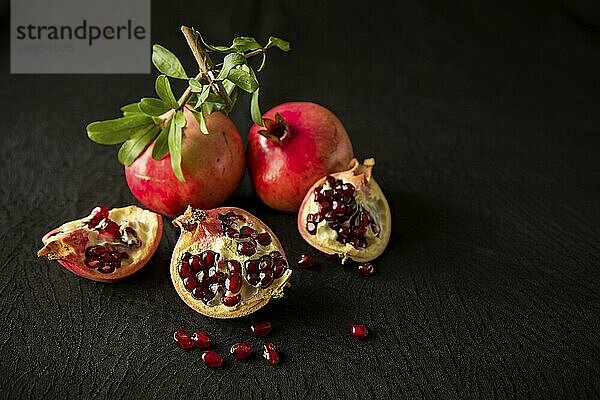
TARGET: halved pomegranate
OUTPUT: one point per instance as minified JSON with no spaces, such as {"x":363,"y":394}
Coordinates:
{"x":106,"y":246}
{"x":227,"y":263}
{"x":347,"y":214}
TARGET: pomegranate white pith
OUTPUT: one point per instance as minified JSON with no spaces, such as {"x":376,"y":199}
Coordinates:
{"x":70,"y":243}
{"x":218,"y":237}
{"x":329,"y":218}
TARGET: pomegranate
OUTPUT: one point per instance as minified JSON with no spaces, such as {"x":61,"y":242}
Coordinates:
{"x":227,"y":263}
{"x":106,"y":246}
{"x":212,"y":164}
{"x":347,"y":214}
{"x":300,"y":143}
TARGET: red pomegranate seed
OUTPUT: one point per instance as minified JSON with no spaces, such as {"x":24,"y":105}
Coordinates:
{"x":241,"y":351}
{"x":212,"y":359}
{"x":260,"y":329}
{"x":246,"y":248}
{"x":100,"y":212}
{"x":366,"y":269}
{"x":264,"y":239}
{"x":231,"y":301}
{"x":246,"y":231}
{"x":234,"y":267}
{"x":234,"y":283}
{"x":184,"y":270}
{"x":358,"y":331}
{"x":201,"y":339}
{"x":306,"y":261}
{"x":270,"y":353}
{"x":190,"y":283}
{"x":183,"y":340}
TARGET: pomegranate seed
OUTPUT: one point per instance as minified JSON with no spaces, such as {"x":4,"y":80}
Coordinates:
{"x":260,"y":329}
{"x":184,"y":270}
{"x":264,"y":239}
{"x":183,"y":340}
{"x":231,"y":301}
{"x":212,"y":359}
{"x":358,"y":331}
{"x":266,"y":278}
{"x":246,"y":231}
{"x":201,"y":339}
{"x":279,"y":268}
{"x":275,"y":254}
{"x":232,"y":233}
{"x":106,"y":268}
{"x":199,"y":293}
{"x":246,"y":248}
{"x":306,"y":261}
{"x":253,"y":279}
{"x":195,"y":262}
{"x":241,"y":351}
{"x":234,"y":283}
{"x":366,"y":269}
{"x":100,"y":212}
{"x":251,"y":266}
{"x":208,"y":258}
{"x":92,"y":262}
{"x":270,"y":353}
{"x":190,"y":283}
{"x":265,"y":263}
{"x":234,"y":267}
{"x":330,"y":180}
{"x":311,"y":227}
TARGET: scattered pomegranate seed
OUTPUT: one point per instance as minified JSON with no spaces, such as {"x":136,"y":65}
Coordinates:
{"x":366,"y":269}
{"x":261,"y":329}
{"x":270,"y":353}
{"x":183,"y":340}
{"x":358,"y":331}
{"x":307,"y":261}
{"x":241,"y":351}
{"x":212,"y":359}
{"x":201,"y":340}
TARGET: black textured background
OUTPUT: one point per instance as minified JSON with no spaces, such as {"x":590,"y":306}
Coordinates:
{"x":483,"y":118}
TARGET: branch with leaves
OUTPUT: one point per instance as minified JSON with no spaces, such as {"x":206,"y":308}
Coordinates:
{"x":214,"y":88}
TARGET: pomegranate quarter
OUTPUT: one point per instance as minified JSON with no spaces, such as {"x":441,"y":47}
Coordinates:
{"x":347,"y":214}
{"x":106,"y":246}
{"x":227,"y":263}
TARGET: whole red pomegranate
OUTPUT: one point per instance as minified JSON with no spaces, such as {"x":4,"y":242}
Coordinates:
{"x":300,"y":143}
{"x":212,"y":164}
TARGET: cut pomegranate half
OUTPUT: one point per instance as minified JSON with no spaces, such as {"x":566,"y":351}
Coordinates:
{"x":227,"y":263}
{"x":347,"y":214}
{"x":106,"y":246}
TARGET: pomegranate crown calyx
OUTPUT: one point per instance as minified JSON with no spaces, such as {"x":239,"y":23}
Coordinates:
{"x":364,"y":169}
{"x":275,"y":130}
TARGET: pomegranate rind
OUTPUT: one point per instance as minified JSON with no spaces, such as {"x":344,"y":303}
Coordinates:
{"x":66,"y":244}
{"x":198,"y":228}
{"x":359,"y":174}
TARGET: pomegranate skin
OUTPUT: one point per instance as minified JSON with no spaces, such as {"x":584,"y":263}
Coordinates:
{"x":314,"y":145}
{"x":213,"y":166}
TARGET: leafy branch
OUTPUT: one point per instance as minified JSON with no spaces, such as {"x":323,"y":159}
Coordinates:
{"x":214,"y":88}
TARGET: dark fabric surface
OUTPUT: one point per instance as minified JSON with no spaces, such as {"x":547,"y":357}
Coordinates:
{"x":484,"y":122}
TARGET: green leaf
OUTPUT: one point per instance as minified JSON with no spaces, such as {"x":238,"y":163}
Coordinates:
{"x":221,"y":49}
{"x":242,"y":79}
{"x":163,"y":89}
{"x":255,"y":109}
{"x":279,"y":43}
{"x":132,"y":148}
{"x":175,"y":148}
{"x":213,"y":103}
{"x":201,"y":121}
{"x":195,"y":86}
{"x":118,"y":130}
{"x":161,"y":145}
{"x":202,"y":96}
{"x":179,"y":119}
{"x":153,"y":107}
{"x":130,"y":109}
{"x":167,"y":63}
{"x":230,"y":61}
{"x":244,"y":43}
